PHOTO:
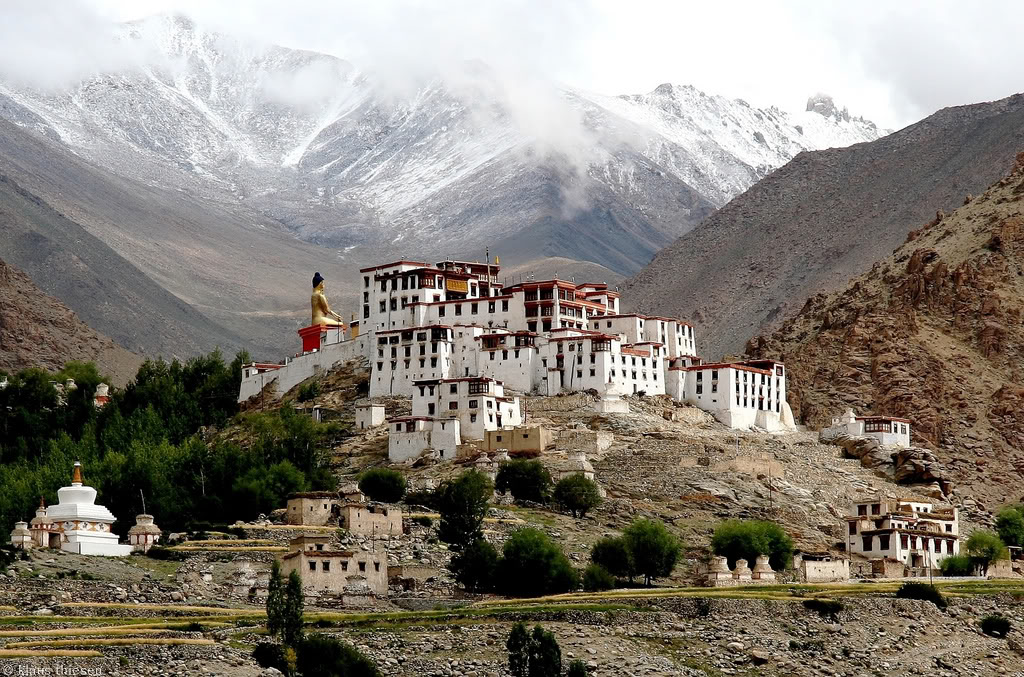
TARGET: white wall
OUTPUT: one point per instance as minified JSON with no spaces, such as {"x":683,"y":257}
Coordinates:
{"x":304,"y":366}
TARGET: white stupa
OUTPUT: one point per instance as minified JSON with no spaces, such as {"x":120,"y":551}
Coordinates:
{"x":84,"y":526}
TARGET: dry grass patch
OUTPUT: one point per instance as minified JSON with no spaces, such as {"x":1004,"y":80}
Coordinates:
{"x":113,"y":641}
{"x":231,"y":541}
{"x":220,"y":548}
{"x":53,"y":653}
{"x":177,"y":608}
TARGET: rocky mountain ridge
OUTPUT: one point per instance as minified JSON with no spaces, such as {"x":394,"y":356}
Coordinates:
{"x":821,"y":219}
{"x":342,"y":159}
{"x":932,"y":333}
{"x":37,"y":330}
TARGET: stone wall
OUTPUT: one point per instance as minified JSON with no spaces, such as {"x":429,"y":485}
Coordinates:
{"x":831,"y":571}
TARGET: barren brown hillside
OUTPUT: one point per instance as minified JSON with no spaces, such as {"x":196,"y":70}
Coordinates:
{"x":819,"y":220}
{"x":37,"y":330}
{"x":934,"y":333}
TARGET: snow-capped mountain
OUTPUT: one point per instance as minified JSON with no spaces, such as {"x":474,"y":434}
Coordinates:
{"x":344,"y":159}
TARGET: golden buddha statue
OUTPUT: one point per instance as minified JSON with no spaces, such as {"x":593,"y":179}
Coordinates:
{"x":322,"y":313}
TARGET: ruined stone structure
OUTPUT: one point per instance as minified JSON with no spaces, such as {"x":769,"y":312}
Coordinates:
{"x":370,"y":519}
{"x":329,"y":570}
{"x":312,"y":508}
{"x":528,"y":441}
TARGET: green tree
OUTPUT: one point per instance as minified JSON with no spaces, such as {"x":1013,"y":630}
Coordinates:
{"x":383,"y":484}
{"x":746,"y":539}
{"x":532,"y":565}
{"x":545,"y":654}
{"x":984,"y":548}
{"x":1010,"y":525}
{"x":957,"y":565}
{"x":275,"y":600}
{"x":518,"y":646}
{"x":577,"y":494}
{"x":475,"y":566}
{"x":291,"y":628}
{"x":654,"y":551}
{"x":612,"y":553}
{"x":323,"y":656}
{"x":527,"y":480}
{"x":462,"y":504}
{"x":577,"y":668}
{"x":597,"y":578}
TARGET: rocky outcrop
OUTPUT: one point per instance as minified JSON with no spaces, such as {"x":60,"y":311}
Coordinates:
{"x":912,"y":465}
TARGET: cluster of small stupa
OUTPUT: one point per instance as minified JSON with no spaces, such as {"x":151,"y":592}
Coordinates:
{"x":76,"y":524}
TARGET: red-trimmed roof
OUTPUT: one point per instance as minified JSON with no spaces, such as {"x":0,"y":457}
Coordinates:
{"x":727,"y":365}
{"x":885,"y":418}
{"x":396,"y":263}
{"x":425,"y":326}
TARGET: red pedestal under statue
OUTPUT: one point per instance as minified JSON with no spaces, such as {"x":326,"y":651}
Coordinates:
{"x":312,"y":337}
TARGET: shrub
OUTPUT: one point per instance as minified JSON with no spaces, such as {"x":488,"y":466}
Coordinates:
{"x":423,"y":497}
{"x":613,"y":555}
{"x":922,"y":591}
{"x":383,"y":484}
{"x":195,"y":626}
{"x":577,"y":494}
{"x":475,"y":566}
{"x":957,"y":565}
{"x":166,"y":554}
{"x":462,"y":503}
{"x":423,"y":520}
{"x":653,"y":550}
{"x":996,"y":626}
{"x":1010,"y":525}
{"x":577,"y":668}
{"x":533,"y":565}
{"x":269,"y":655}
{"x":533,"y":655}
{"x":527,"y":480}
{"x":309,"y":391}
{"x":746,"y":539}
{"x":826,"y":608}
{"x":320,"y":655}
{"x":596,"y":578}
{"x":984,"y":548}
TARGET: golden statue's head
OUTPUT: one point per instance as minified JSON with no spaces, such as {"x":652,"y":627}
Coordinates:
{"x":318,"y":282}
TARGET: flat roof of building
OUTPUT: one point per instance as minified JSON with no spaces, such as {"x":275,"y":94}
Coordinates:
{"x":395,"y":263}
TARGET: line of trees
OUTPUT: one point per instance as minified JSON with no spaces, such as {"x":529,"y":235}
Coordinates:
{"x":528,"y":480}
{"x":146,"y":440}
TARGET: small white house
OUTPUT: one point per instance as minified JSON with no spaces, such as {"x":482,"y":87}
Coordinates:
{"x":888,"y":430}
{"x":409,"y":437}
{"x":369,"y":415}
{"x":478,"y":403}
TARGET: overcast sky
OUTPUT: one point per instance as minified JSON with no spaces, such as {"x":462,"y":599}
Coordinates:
{"x":891,"y":61}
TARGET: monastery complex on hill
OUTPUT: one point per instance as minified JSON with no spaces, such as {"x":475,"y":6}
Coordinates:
{"x":460,"y":344}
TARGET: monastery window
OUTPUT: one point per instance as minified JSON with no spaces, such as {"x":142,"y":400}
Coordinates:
{"x":853,"y":528}
{"x":937,"y":545}
{"x":477,"y":387}
{"x":949,"y":528}
{"x":490,"y":404}
{"x":366,"y":281}
{"x":344,"y":566}
{"x":876,"y":508}
{"x":904,"y":541}
{"x":714,"y":374}
{"x":380,"y":365}
{"x":949,"y":547}
{"x":383,"y":285}
{"x":453,"y":388}
{"x":472,"y":289}
{"x":394,"y":283}
{"x":504,"y":354}
{"x":714,"y":386}
{"x":394,"y":365}
{"x":504,"y":306}
{"x":547,"y":294}
{"x":737,"y":400}
{"x":531,"y":295}
{"x":380,"y":353}
{"x":405,"y":301}
{"x":744,"y":377}
{"x":473,"y":308}
{"x":593,"y":358}
{"x":405,"y":282}
{"x":490,"y":418}
{"x":593,"y":372}
{"x":325,"y":565}
{"x":547,"y":326}
{"x":453,"y":405}
{"x":430,"y":409}
{"x":700,"y":389}
{"x":312,"y":566}
{"x":613,"y":372}
{"x":394,"y":304}
{"x":700,"y":376}
{"x":634,"y":375}
{"x":866,"y":543}
{"x":362,"y":566}
{"x":579,"y":373}
{"x":458,"y":308}
{"x":433,"y":362}
{"x":544,"y":362}
{"x":547,"y":311}
{"x":440,"y":311}
{"x":383,"y":306}
{"x":745,"y":402}
{"x":776,"y":406}
{"x":437,"y":281}
{"x":376,"y":566}
{"x":492,"y":355}
{"x":408,"y":351}
{"x":472,"y":418}
{"x":883,"y":541}
{"x":516,"y":353}
{"x":609,"y":324}
{"x":474,"y":404}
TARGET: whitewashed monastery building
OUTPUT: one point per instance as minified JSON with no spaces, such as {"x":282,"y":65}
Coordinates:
{"x":914,"y":533}
{"x":888,"y":430}
{"x":435,"y":332}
